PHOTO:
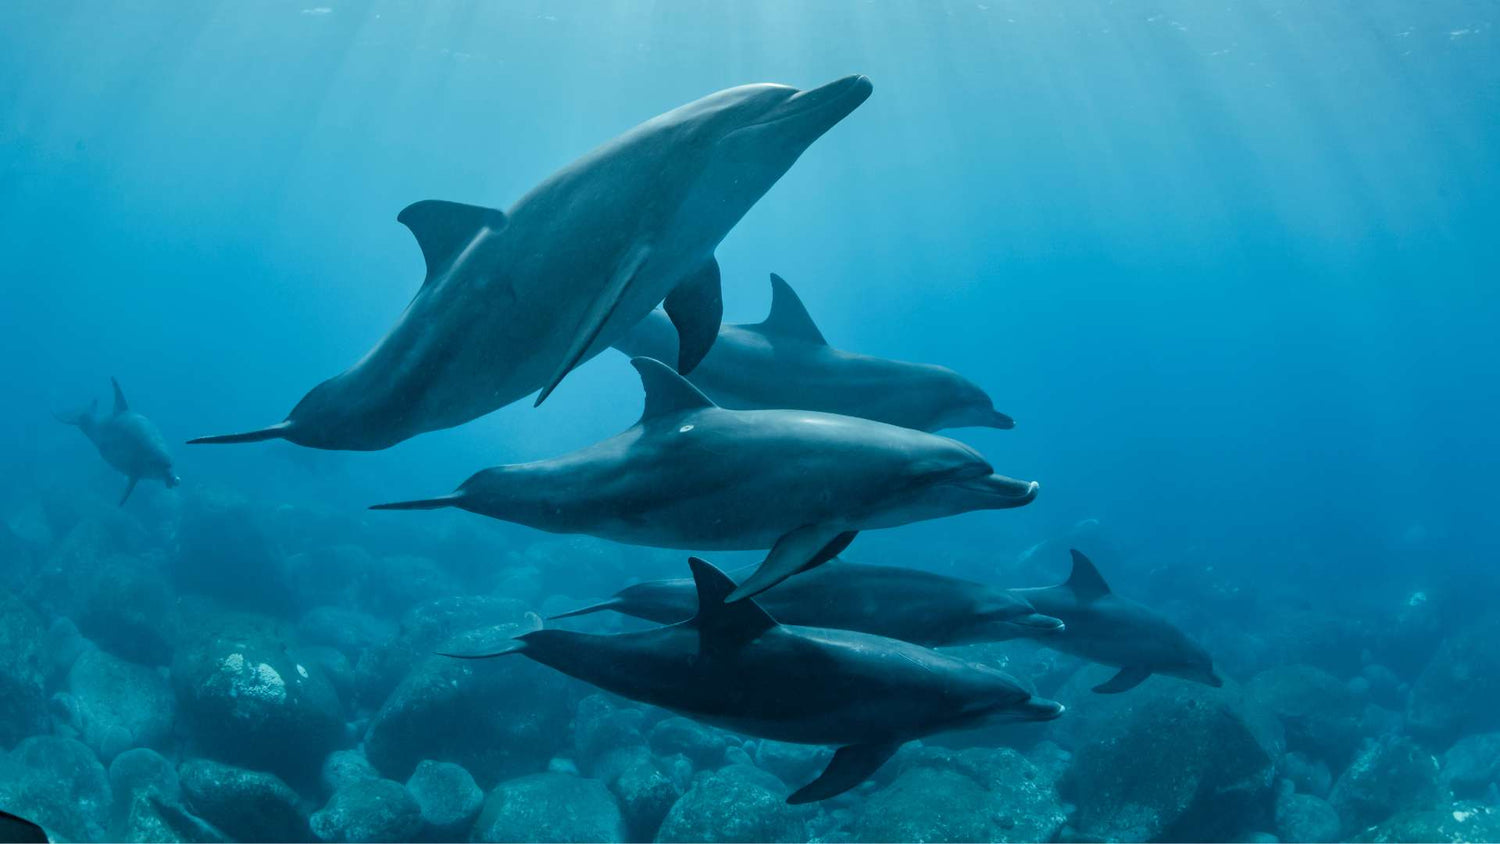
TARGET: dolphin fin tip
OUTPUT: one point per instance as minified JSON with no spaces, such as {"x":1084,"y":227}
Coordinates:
{"x":419,"y":503}
{"x":273,"y":432}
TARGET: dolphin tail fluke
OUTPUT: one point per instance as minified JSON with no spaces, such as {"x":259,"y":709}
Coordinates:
{"x":851,"y":765}
{"x":274,"y":432}
{"x":79,"y":417}
{"x":588,"y":610}
{"x":438,"y":503}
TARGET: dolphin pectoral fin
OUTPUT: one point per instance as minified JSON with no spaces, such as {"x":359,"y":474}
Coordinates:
{"x":588,"y":610}
{"x":20,"y":830}
{"x":274,"y":432}
{"x":594,"y":322}
{"x":851,"y":765}
{"x":696,"y":307}
{"x":1129,"y":677}
{"x":129,"y":488}
{"x":443,"y":229}
{"x":797,"y":551}
{"x":121,"y":406}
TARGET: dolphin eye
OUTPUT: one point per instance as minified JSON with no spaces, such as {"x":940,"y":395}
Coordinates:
{"x":684,"y":429}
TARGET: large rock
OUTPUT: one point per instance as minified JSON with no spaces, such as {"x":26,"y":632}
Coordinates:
{"x":601,"y":725}
{"x":646,"y":788}
{"x":115,"y":705}
{"x":140,"y":770}
{"x":249,"y":702}
{"x":1167,"y":760}
{"x":1471,"y":767}
{"x":550,"y":807}
{"x":1455,"y":695}
{"x":151,"y":818}
{"x":448,"y":798}
{"x":225,"y":552}
{"x":1319,"y":712}
{"x":128,"y":608}
{"x":1388,"y":776}
{"x":1303,"y":817}
{"x":737,"y":804}
{"x":703,"y":745}
{"x":57,"y":783}
{"x":23,"y":701}
{"x":1456,"y":824}
{"x":343,"y":768}
{"x":496,"y":718}
{"x":247,"y":805}
{"x":971,"y":795}
{"x":368,"y":810}
{"x":423,"y":628}
{"x":349,"y":631}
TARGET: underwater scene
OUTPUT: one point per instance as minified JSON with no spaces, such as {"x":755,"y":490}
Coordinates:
{"x":749,"y":421}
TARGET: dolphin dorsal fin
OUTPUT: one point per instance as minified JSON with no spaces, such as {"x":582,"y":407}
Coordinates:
{"x":121,"y":406}
{"x":666,"y":391}
{"x":443,"y":229}
{"x":720,"y":624}
{"x":1085,"y":580}
{"x":788,"y":317}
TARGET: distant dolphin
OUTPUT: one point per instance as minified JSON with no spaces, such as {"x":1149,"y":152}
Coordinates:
{"x":692,"y":475}
{"x":127,"y":441}
{"x":784,"y":362}
{"x":1105,"y":628}
{"x":734,"y":666}
{"x":513,"y":301}
{"x":17,"y":830}
{"x":899,"y":603}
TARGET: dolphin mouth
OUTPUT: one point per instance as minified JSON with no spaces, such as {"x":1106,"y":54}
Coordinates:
{"x":1038,"y":622}
{"x":829,"y":103}
{"x":1001,"y":421}
{"x":1002,"y":492}
{"x":1042,"y":709}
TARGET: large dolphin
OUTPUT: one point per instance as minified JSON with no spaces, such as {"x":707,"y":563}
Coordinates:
{"x":912,"y":605}
{"x":693,"y":475}
{"x":513,"y":301}
{"x":127,"y":441}
{"x":1105,"y":628}
{"x":734,"y":666}
{"x":785,"y":362}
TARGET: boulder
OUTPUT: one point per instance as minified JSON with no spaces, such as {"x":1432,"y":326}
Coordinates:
{"x":646,"y":789}
{"x":448,"y":798}
{"x":225,"y":552}
{"x":1471,"y":767}
{"x":57,"y":783}
{"x":600,"y":725}
{"x":703,"y":745}
{"x":793,"y":764}
{"x":1309,"y":776}
{"x":23,"y":701}
{"x":423,"y":628}
{"x":151,"y":818}
{"x":1318,"y":711}
{"x":1305,"y":818}
{"x":735,"y":804}
{"x":246,"y":805}
{"x":249,"y":702}
{"x":368,"y":810}
{"x":496,"y":718}
{"x":128,"y":609}
{"x":970,"y":795}
{"x":549,"y":807}
{"x":1456,"y":693}
{"x":143,"y":769}
{"x":1169,"y":759}
{"x":1388,"y":776}
{"x":1457,"y":824}
{"x":349,"y":631}
{"x":115,"y":705}
{"x":343,"y":768}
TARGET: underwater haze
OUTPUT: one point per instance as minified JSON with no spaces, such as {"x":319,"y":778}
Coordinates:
{"x":1231,"y":267}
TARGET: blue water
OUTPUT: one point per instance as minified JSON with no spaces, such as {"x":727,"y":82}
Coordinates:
{"x":1230,"y":266}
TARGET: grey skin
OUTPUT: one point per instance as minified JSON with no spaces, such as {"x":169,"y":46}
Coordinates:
{"x":17,"y":830}
{"x":514,"y":301}
{"x":914,"y":606}
{"x":785,"y":362}
{"x":1105,"y":628}
{"x":732,"y":665}
{"x":127,"y":441}
{"x":693,"y":475}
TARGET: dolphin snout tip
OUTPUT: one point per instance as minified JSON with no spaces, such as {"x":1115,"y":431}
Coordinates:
{"x":1001,"y":421}
{"x":1215,"y":680}
{"x":1041,"y":709}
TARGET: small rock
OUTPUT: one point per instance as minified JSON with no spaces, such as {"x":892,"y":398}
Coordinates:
{"x":1456,"y":824}
{"x":343,"y":768}
{"x":646,"y":789}
{"x":1387,"y":777}
{"x":1471,"y":767}
{"x":735,"y":804}
{"x":1456,"y":693}
{"x":701,"y":744}
{"x":447,"y":796}
{"x":247,"y":805}
{"x":550,"y":807}
{"x":1320,"y":714}
{"x":368,"y":810}
{"x":1305,"y":818}
{"x":57,"y":783}
{"x":143,"y":769}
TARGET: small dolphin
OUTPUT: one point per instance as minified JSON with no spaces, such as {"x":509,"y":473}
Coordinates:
{"x":1105,"y":628}
{"x":127,"y":441}
{"x":732,"y":665}
{"x":514,"y":301}
{"x":17,"y":830}
{"x":899,"y":603}
{"x":692,"y":475}
{"x":784,"y":362}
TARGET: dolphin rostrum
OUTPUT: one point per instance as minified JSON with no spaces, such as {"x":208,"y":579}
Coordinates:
{"x":912,"y":605}
{"x":732,"y":665}
{"x":1105,"y":628}
{"x":127,"y":441}
{"x":693,"y":475}
{"x":785,"y":362}
{"x":513,"y":301}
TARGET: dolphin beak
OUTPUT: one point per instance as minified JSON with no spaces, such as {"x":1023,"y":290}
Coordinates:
{"x":1039,"y":623}
{"x":1041,"y":709}
{"x":1001,"y":421}
{"x":818,"y":109}
{"x":1003,"y":492}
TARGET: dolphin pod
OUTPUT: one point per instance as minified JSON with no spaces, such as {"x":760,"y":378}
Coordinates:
{"x":733,"y":665}
{"x":899,"y":603}
{"x":126,"y":440}
{"x":784,"y":362}
{"x":682,"y":476}
{"x":515,"y":300}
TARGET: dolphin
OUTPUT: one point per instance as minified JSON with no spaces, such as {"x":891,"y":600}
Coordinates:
{"x":17,"y":830}
{"x":784,"y":362}
{"x":1105,"y":628}
{"x":732,"y":665}
{"x":127,"y":441}
{"x":515,"y":300}
{"x":912,"y":605}
{"x":693,"y":475}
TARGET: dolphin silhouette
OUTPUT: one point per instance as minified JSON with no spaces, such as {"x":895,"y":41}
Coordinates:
{"x":127,"y":441}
